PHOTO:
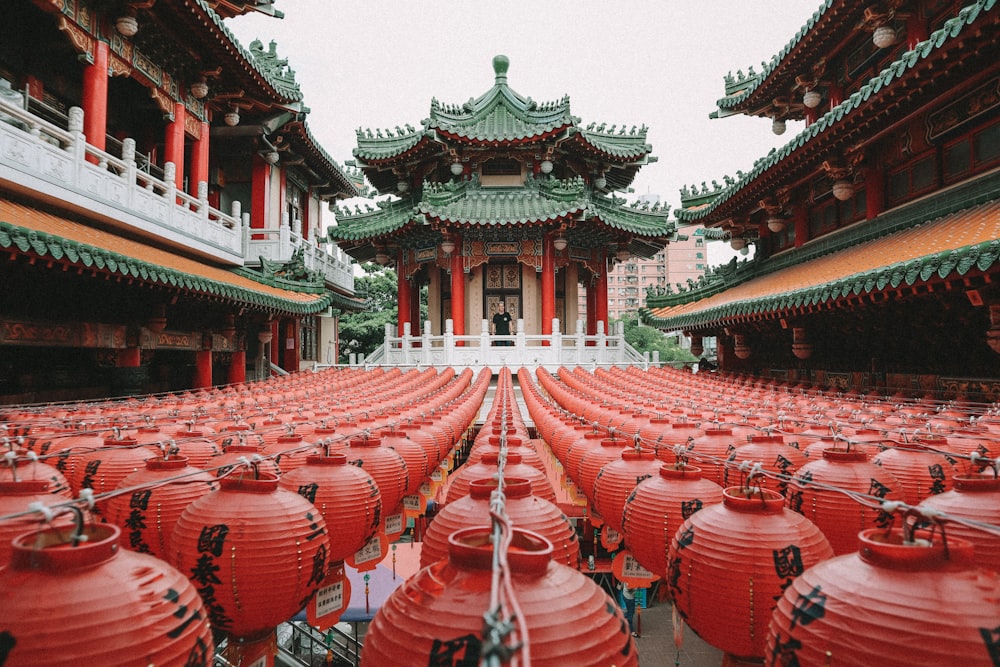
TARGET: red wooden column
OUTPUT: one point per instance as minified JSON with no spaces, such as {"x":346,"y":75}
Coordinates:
{"x":548,"y":286}
{"x":276,"y":345}
{"x":415,"y":322}
{"x":800,"y":218}
{"x":290,"y":345}
{"x":916,"y":30}
{"x":238,"y":368}
{"x":874,"y":192}
{"x":202,"y":369}
{"x":402,"y":294}
{"x":199,"y":160}
{"x":458,"y":288}
{"x":602,"y":293}
{"x":260,"y":194}
{"x":130,"y":357}
{"x":95,"y":98}
{"x":173,"y":148}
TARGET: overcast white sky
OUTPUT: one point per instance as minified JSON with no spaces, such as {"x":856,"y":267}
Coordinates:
{"x":661,"y":63}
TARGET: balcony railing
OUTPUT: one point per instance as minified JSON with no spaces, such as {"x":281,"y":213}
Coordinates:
{"x":531,"y":351}
{"x":123,"y":188}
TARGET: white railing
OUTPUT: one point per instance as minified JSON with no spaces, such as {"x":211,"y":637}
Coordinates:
{"x":59,"y":164}
{"x":278,"y":245}
{"x":531,"y":351}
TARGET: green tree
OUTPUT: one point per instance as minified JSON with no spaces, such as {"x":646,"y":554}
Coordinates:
{"x":647,"y":339}
{"x":364,"y":332}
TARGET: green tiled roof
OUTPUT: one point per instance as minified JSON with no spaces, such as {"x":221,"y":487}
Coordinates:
{"x":59,"y":248}
{"x":619,"y":144}
{"x":951,"y":30}
{"x":376,"y":146}
{"x":467,"y":203}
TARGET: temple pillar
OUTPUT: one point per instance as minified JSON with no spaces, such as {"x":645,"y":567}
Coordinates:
{"x":835,"y":95}
{"x":402,"y":294}
{"x":458,"y":289}
{"x":415,"y":321}
{"x":199,"y":161}
{"x":548,"y":285}
{"x":811,"y":115}
{"x":260,"y":194}
{"x":202,"y":369}
{"x":95,"y":99}
{"x":800,"y":218}
{"x":602,"y":293}
{"x":916,"y":30}
{"x":173,"y":145}
{"x":237,"y":368}
{"x":276,"y":344}
{"x":290,"y":341}
{"x":874,"y":192}
{"x":592,"y":306}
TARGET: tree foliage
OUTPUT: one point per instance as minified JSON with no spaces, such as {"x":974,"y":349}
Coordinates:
{"x":364,"y":332}
{"x":644,"y":338}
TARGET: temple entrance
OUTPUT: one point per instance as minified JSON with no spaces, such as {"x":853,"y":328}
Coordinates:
{"x":502,"y":282}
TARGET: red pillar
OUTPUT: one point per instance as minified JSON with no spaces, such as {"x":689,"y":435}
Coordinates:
{"x":173,"y":146}
{"x":602,"y":293}
{"x":874,"y":192}
{"x":458,"y":288}
{"x":916,"y":30}
{"x":260,"y":193}
{"x":811,"y":115}
{"x":800,"y":218}
{"x":95,"y":98}
{"x":276,"y":345}
{"x":415,"y":323}
{"x":130,"y":357}
{"x":548,"y":285}
{"x":402,"y":294}
{"x":202,"y":369}
{"x":290,"y":343}
{"x":835,"y":94}
{"x":238,"y":368}
{"x":199,"y":160}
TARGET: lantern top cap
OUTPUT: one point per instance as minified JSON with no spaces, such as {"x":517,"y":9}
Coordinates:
{"x":753,"y":499}
{"x":513,"y":487}
{"x":529,"y":552}
{"x":265,"y":482}
{"x":890,"y":549}
{"x":51,"y":549}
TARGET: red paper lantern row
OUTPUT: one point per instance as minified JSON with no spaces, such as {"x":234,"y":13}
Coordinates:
{"x":230,"y":543}
{"x":384,"y":464}
{"x":63,"y":605}
{"x":729,"y":563}
{"x":617,"y":480}
{"x":438,"y":612}
{"x":978,"y":499}
{"x":920,"y":472}
{"x":894,"y":603}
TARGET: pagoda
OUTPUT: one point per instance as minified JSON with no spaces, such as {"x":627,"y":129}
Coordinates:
{"x":876,"y":228}
{"x":502,"y":199}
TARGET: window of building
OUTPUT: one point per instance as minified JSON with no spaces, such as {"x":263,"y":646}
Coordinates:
{"x":501,"y":167}
{"x":972,"y":153}
{"x":912,"y":179}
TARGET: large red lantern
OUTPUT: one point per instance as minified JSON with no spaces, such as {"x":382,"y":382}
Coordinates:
{"x":488,"y":466}
{"x":346,"y":495}
{"x":437,"y":614}
{"x":594,"y":459}
{"x":24,"y":466}
{"x":104,"y":468}
{"x":617,"y":480}
{"x":241,"y":455}
{"x":161,"y":491}
{"x":384,"y":464}
{"x":255,"y":552}
{"x":897,"y":602}
{"x":976,"y":499}
{"x":817,"y":492}
{"x":729,"y":563}
{"x":920,"y":471}
{"x":65,"y":603}
{"x":525,"y":510}
{"x":657,"y":508}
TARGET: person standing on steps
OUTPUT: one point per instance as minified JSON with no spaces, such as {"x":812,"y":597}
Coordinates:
{"x":501,"y":324}
{"x":628,"y":597}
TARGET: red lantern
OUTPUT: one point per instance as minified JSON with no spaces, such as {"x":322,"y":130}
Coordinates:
{"x":710,"y":449}
{"x":919,"y":471}
{"x":236,"y":455}
{"x":103,"y":469}
{"x":525,"y":510}
{"x":729,"y":563}
{"x":540,"y":485}
{"x":418,"y":465}
{"x":196,"y":446}
{"x":439,"y":611}
{"x":617,"y":480}
{"x":977,"y":499}
{"x":93,"y":603}
{"x":255,"y":552}
{"x":17,"y":497}
{"x":290,"y":451}
{"x":147,"y":515}
{"x":657,"y":508}
{"x":385,"y":465}
{"x":593,"y":460}
{"x":346,"y":496}
{"x":773,"y":455}
{"x":895,"y":603}
{"x":839,"y":516}
{"x":24,"y":466}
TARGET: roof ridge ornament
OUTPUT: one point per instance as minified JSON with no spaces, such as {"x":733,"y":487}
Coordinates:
{"x":500,"y":65}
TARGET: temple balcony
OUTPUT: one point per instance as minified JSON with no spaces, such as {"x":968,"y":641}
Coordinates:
{"x":46,"y":158}
{"x":531,"y":351}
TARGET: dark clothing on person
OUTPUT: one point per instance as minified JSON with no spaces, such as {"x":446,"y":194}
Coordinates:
{"x":501,"y":326}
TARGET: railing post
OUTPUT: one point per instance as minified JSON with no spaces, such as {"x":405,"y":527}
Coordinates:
{"x":405,"y":342}
{"x":169,"y":178}
{"x":556,"y":340}
{"x":449,"y":342}
{"x":425,"y":345}
{"x":602,"y":343}
{"x":79,"y":145}
{"x":203,"y":200}
{"x":485,"y":349}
